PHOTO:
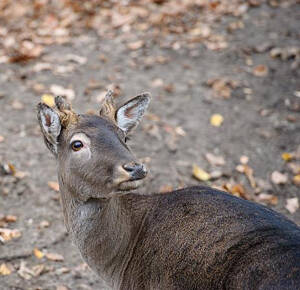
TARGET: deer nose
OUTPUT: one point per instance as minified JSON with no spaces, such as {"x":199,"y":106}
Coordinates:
{"x":135,"y":170}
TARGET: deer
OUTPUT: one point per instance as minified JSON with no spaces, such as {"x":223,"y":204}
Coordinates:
{"x":192,"y":238}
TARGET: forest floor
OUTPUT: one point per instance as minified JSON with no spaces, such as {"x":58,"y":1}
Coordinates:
{"x":224,"y":79}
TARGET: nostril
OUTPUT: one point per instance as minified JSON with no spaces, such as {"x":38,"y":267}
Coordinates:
{"x":137,"y":171}
{"x":130,"y":167}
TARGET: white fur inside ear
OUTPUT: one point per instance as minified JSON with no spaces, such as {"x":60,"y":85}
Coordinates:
{"x":50,"y":124}
{"x":130,"y":114}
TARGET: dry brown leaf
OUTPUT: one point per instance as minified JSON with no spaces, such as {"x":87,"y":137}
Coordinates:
{"x":76,"y":58}
{"x":260,"y":70}
{"x":295,"y":167}
{"x":238,"y":190}
{"x":9,"y":234}
{"x":136,"y":45}
{"x":25,"y":272}
{"x":279,"y":178}
{"x":214,"y":159}
{"x":62,"y":287}
{"x":5,"y":269}
{"x":222,"y":86}
{"x":53,"y":185}
{"x":10,"y":218}
{"x":249,"y":173}
{"x":38,"y":253}
{"x":61,"y":91}
{"x":292,"y":204}
{"x":157,"y":83}
{"x":296,"y":179}
{"x":54,"y":257}
{"x":179,"y":131}
{"x":268,"y":198}
{"x":20,"y":174}
{"x":215,"y":174}
{"x":216,"y":120}
{"x":62,"y":270}
{"x":200,"y":174}
{"x":44,"y":224}
{"x":244,"y":159}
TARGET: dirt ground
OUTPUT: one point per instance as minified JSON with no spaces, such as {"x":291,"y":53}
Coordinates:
{"x":244,"y":67}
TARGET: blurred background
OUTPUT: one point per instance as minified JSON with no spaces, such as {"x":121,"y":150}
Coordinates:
{"x":225,"y":112}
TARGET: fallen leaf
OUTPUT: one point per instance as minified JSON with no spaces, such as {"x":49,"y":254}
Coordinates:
{"x":215,"y":174}
{"x":44,"y":224}
{"x":222,"y":86}
{"x":62,"y":287}
{"x":286,"y":156}
{"x":9,"y":234}
{"x":244,"y":159}
{"x":216,"y":120}
{"x":53,"y":185}
{"x":62,"y":270}
{"x":39,"y":254}
{"x":54,"y":257}
{"x":260,"y":70}
{"x":156,"y":83}
{"x":214,"y":159}
{"x":296,"y":179}
{"x":48,"y":100}
{"x":179,"y":131}
{"x":10,"y":218}
{"x":249,"y":173}
{"x":41,"y":66}
{"x":37,"y":270}
{"x":238,"y":190}
{"x":5,"y":270}
{"x":295,"y":167}
{"x":61,"y":91}
{"x":135,"y":45}
{"x":76,"y":58}
{"x":279,"y":178}
{"x":292,"y":204}
{"x":268,"y":198}
{"x":25,"y":272}
{"x":1,"y":139}
{"x":21,"y":174}
{"x":200,"y":174}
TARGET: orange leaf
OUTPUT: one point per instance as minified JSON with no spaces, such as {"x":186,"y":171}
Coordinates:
{"x":38,"y":253}
{"x":53,"y":185}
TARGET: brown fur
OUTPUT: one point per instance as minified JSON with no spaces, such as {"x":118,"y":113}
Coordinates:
{"x":195,"y":238}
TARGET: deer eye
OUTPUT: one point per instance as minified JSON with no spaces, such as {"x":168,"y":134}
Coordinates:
{"x":76,"y":145}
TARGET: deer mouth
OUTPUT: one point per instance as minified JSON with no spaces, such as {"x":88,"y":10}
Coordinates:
{"x":130,"y":184}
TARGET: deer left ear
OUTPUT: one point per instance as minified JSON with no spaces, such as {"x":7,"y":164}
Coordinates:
{"x":130,"y":114}
{"x":50,"y":126}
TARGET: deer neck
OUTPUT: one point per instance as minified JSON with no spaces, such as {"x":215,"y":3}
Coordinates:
{"x":105,"y":231}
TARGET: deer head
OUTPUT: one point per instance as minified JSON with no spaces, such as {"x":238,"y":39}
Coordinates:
{"x":93,"y":158}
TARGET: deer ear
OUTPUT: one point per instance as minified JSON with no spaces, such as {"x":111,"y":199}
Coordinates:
{"x":50,"y":126}
{"x":129,"y":115}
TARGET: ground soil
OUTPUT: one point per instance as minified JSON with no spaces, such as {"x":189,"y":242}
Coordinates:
{"x":261,"y":125}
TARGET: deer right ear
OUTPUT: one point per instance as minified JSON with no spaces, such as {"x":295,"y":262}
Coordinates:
{"x":50,"y":126}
